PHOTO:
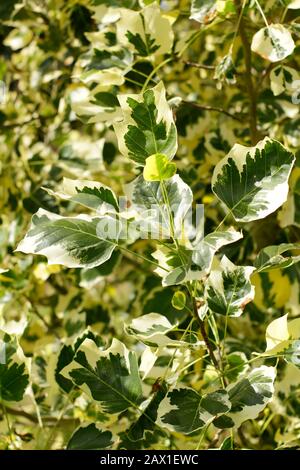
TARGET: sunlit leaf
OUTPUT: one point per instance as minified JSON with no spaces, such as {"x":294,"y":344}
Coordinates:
{"x":147,"y":127}
{"x":248,"y":397}
{"x":75,"y":242}
{"x":272,"y":257}
{"x":109,"y":376}
{"x":90,"y":194}
{"x":253,"y":181}
{"x":228,"y":289}
{"x":273,"y":43}
{"x":185,"y":410}
{"x":158,"y":168}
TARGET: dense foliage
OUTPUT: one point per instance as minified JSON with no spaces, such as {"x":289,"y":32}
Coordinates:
{"x":122,"y":118}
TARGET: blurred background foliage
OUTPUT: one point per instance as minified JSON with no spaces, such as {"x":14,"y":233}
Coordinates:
{"x":53,"y":124}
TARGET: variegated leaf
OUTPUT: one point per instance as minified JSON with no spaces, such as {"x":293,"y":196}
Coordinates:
{"x":147,"y":198}
{"x":152,"y":329}
{"x":205,"y":249}
{"x":282,"y":79}
{"x":75,"y":242}
{"x":294,"y":4}
{"x":90,"y":438}
{"x":283,"y":337}
{"x":203,"y":11}
{"x":90,"y":194}
{"x":147,"y":127}
{"x":290,"y":212}
{"x":146,"y":422}
{"x":272,"y":257}
{"x":248,"y":397}
{"x":228,"y":288}
{"x":273,"y":42}
{"x":185,"y":410}
{"x":67,"y":354}
{"x":158,"y":168}
{"x":253,"y":181}
{"x":110,"y":377}
{"x":146,"y":32}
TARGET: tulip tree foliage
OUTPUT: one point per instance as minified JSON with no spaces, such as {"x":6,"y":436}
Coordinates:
{"x":150,"y":195}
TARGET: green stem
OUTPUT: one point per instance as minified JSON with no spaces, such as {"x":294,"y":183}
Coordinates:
{"x":10,"y":432}
{"x":142,"y":74}
{"x":222,"y":221}
{"x":248,"y":77}
{"x":202,"y":436}
{"x":203,"y":333}
{"x":261,"y":12}
{"x":138,"y":255}
{"x":217,"y":109}
{"x":154,"y":71}
{"x":133,"y":81}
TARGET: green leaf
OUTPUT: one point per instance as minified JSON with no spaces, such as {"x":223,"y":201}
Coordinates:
{"x":227,"y":444}
{"x":253,"y":182}
{"x":75,"y":242}
{"x":90,"y":438}
{"x":147,"y":127}
{"x":110,"y":377}
{"x":146,"y":421}
{"x":158,"y":168}
{"x":249,"y":396}
{"x":179,"y":300}
{"x":185,"y":410}
{"x":225,"y":70}
{"x":66,"y":356}
{"x":228,"y":289}
{"x":205,"y":249}
{"x":90,"y":277}
{"x":90,"y":194}
{"x":143,"y":47}
{"x":271,"y":257}
{"x":7,"y":8}
{"x":203,"y":11}
{"x":146,"y":32}
{"x":152,"y":330}
{"x":14,"y":373}
{"x":236,"y":364}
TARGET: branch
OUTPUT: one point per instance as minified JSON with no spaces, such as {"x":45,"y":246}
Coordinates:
{"x":248,"y":77}
{"x":264,"y":75}
{"x":205,"y":107}
{"x":204,"y":335}
{"x":199,"y":66}
{"x":34,"y":419}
